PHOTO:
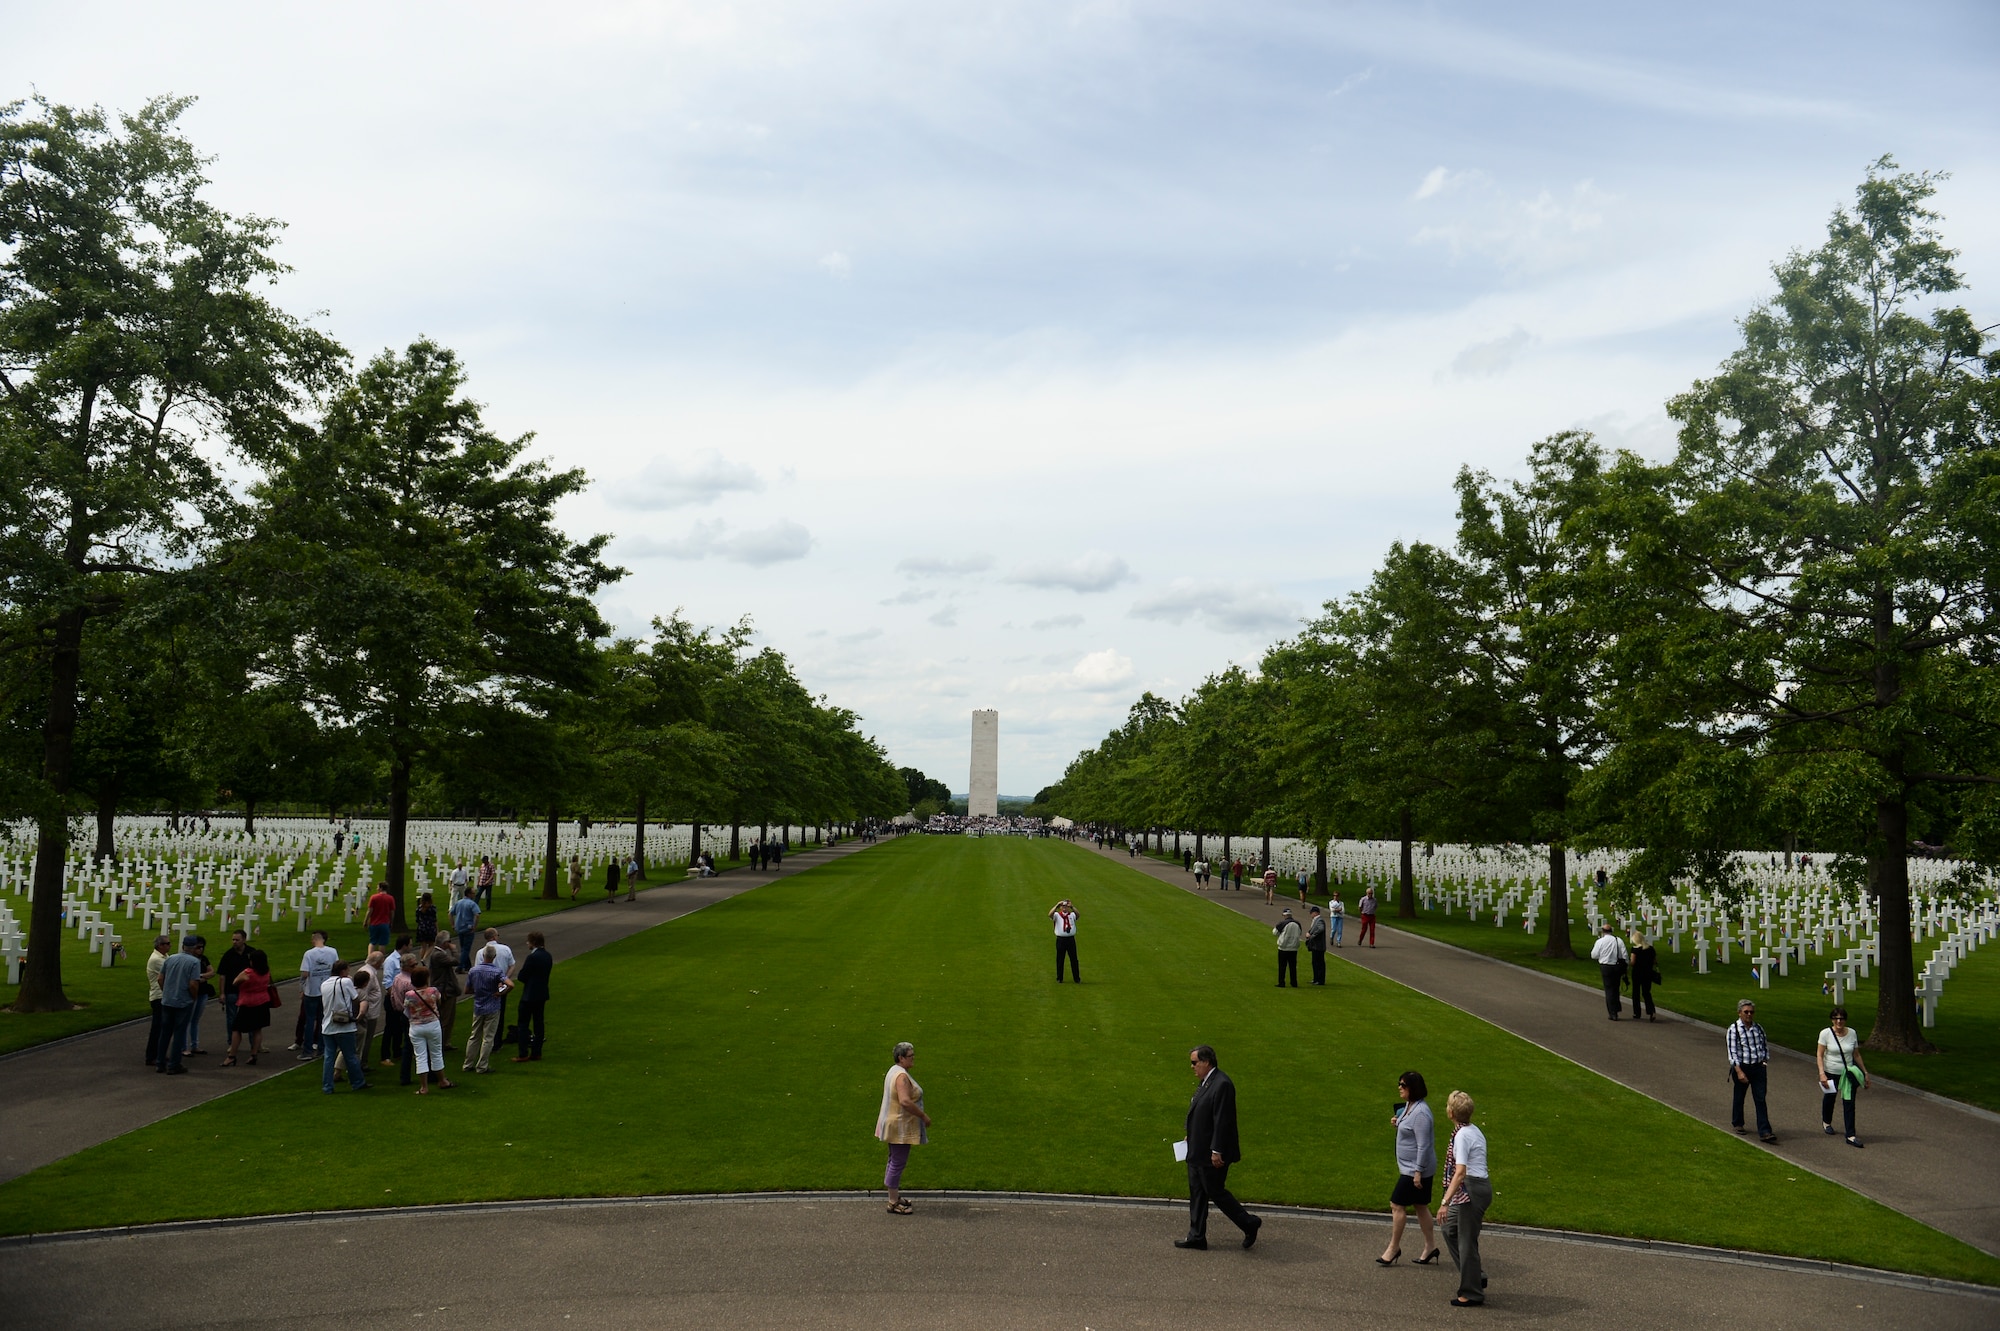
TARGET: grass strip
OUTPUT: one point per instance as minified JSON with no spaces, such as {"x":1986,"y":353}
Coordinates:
{"x":743,"y":1047}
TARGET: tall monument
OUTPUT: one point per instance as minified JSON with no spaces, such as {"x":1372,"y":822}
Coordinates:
{"x":985,"y":801}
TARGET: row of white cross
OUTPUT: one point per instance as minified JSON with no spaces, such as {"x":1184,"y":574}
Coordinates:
{"x":1785,"y":915}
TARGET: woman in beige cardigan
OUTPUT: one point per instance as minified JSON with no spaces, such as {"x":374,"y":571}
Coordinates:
{"x":902,"y":1122}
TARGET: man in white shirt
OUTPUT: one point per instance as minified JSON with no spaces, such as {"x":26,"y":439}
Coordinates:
{"x":314,"y":967}
{"x":1064,"y":915}
{"x":340,"y":999}
{"x":503,"y":957}
{"x":1610,"y":955}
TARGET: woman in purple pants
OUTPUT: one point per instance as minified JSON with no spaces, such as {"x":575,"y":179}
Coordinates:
{"x":902,"y":1122}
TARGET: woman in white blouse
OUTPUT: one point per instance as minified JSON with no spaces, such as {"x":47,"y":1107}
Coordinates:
{"x":1841,"y":1072}
{"x":1468,"y":1192}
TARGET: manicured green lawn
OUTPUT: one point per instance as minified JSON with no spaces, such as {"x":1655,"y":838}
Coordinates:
{"x":109,"y":996}
{"x":1793,"y":1010}
{"x":743,"y":1047}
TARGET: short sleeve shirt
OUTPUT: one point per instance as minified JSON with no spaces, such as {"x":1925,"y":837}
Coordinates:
{"x":464,"y":913}
{"x":175,"y":975}
{"x":316,"y":965}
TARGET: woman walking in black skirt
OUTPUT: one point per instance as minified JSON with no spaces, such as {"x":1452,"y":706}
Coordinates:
{"x":1416,"y":1169}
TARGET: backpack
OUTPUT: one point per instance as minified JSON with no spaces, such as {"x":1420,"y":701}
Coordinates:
{"x":340,"y":1003}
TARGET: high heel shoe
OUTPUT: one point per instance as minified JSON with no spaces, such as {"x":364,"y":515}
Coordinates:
{"x":1429,"y":1257}
{"x":1391,"y":1261}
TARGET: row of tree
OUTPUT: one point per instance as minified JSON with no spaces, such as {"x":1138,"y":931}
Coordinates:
{"x":234,"y":570}
{"x":1786,"y":634}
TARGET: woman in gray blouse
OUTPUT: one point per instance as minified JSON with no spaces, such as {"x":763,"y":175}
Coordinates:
{"x":1416,"y":1169}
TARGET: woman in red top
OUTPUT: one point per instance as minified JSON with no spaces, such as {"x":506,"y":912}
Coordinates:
{"x":256,"y":995}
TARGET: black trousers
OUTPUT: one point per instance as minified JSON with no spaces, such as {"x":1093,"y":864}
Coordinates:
{"x":154,"y":1032}
{"x":1208,"y":1184}
{"x":1846,"y":1108}
{"x":531,"y":1013}
{"x":1319,"y":964}
{"x":1288,"y":963}
{"x":1611,"y":975}
{"x":1066,"y":947}
{"x":1642,"y":995}
{"x":1757,"y":1076}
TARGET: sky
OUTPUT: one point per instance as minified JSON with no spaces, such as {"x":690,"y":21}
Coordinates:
{"x":1034,"y":355}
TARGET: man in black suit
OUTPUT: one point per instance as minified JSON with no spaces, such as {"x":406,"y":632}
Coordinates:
{"x":1211,"y":1149}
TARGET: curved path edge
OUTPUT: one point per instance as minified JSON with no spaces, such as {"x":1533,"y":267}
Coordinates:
{"x":1688,"y":1251}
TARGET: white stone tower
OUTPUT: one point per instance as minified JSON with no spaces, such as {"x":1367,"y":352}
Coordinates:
{"x":985,"y":801}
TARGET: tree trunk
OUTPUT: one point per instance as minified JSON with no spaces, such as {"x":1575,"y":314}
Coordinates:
{"x":249,"y":817}
{"x":1897,"y":1028}
{"x":550,"y":892}
{"x":639,"y":840}
{"x":1264,"y":858}
{"x":1406,"y":896}
{"x":1197,"y":846}
{"x":735,"y":845}
{"x":1177,"y":843}
{"x":1558,"y":944}
{"x":41,"y":980}
{"x":107,"y":818}
{"x":399,"y":829}
{"x":1320,"y":873}
{"x":694,"y":841}
{"x":1225,"y":852}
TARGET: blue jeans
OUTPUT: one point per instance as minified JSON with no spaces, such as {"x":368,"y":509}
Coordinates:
{"x":465,"y":949}
{"x":173,"y":1036}
{"x":343,"y":1044}
{"x":312,"y":1043}
{"x":1339,"y":927}
{"x":194,"y":1021}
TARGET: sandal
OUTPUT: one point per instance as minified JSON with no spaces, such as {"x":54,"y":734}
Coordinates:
{"x":900,"y":1208}
{"x":229,"y":1062}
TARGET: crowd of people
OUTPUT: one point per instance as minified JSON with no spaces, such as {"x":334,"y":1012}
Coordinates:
{"x":403,"y":991}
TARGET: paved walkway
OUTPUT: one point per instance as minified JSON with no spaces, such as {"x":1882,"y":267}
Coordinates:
{"x":58,"y":1099}
{"x":1930,"y":1158}
{"x":832,"y":1261}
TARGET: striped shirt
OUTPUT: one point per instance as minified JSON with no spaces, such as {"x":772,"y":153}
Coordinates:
{"x":1747,"y":1045}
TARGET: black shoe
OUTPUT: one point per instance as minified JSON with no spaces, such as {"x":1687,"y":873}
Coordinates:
{"x":1855,"y":1142}
{"x":1198,"y":1245}
{"x":1768,"y":1138}
{"x":1250,"y":1236}
{"x":175,"y":1072}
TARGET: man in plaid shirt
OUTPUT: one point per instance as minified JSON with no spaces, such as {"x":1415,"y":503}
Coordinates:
{"x":1749,"y":1052}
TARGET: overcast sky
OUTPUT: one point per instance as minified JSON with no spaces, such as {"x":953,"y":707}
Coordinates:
{"x":1029,"y":355}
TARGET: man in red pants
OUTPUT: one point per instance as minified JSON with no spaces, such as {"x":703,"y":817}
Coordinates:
{"x":1367,"y":908}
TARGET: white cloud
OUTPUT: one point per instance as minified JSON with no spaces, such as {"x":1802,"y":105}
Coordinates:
{"x":1439,"y":179}
{"x":1485,"y":359}
{"x":1058,"y":622}
{"x":865,"y":635}
{"x":776,"y":544}
{"x":1231,"y":607}
{"x":945,"y":618}
{"x":910,"y":596}
{"x":1095,"y":571}
{"x":1098,"y":672}
{"x":836,"y":265}
{"x":939,"y":566}
{"x":669,"y":483}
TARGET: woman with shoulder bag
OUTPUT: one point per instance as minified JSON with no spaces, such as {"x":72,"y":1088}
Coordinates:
{"x":1841,"y":1072}
{"x":420,"y":1005}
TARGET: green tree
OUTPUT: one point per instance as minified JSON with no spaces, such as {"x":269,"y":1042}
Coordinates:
{"x":1837,"y":493}
{"x":415,"y":566}
{"x":136,"y":352}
